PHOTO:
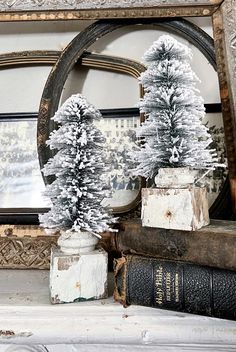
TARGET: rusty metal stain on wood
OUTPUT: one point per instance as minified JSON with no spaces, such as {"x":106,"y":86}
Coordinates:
{"x":168,"y":214}
{"x":77,"y":285}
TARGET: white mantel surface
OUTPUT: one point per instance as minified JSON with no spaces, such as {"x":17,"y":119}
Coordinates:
{"x":27,"y":318}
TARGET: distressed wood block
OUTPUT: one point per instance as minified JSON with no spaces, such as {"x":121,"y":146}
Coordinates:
{"x":175,"y":208}
{"x":78,"y":277}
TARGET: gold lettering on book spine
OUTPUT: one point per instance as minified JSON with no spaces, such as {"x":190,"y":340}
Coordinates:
{"x":158,"y":285}
{"x":168,"y":287}
{"x":177,"y":281}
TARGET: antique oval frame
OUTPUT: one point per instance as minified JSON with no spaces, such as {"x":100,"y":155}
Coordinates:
{"x":75,"y":51}
{"x":103,"y":62}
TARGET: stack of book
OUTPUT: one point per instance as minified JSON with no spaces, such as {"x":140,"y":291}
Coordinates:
{"x":187,"y":271}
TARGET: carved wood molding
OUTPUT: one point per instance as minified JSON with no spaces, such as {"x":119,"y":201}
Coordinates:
{"x":224,"y":25}
{"x":26,"y":58}
{"x":48,"y":10}
{"x":153,"y":12}
{"x":229,"y":25}
{"x":25,"y":247}
{"x":39,"y":5}
{"x":90,"y":60}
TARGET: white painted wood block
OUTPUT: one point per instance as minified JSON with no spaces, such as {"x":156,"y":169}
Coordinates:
{"x":78,"y":277}
{"x":175,"y":208}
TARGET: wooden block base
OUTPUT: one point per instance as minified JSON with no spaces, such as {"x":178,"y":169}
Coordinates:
{"x":175,"y":208}
{"x":78,"y":277}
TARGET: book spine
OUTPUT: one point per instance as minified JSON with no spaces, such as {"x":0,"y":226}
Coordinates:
{"x":211,"y":245}
{"x":175,"y":286}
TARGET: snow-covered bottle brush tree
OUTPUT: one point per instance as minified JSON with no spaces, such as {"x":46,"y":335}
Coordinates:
{"x":174,"y":141}
{"x":78,"y":271}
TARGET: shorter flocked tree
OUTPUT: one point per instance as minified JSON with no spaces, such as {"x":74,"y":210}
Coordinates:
{"x":173,"y":134}
{"x":78,"y":167}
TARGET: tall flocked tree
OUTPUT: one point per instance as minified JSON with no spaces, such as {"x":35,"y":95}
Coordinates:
{"x":78,"y":167}
{"x":173,"y":134}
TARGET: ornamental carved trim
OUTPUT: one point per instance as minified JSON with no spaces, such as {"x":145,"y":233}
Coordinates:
{"x":25,"y":247}
{"x":48,"y":5}
{"x":229,"y":25}
{"x":224,"y":25}
{"x":101,"y":13}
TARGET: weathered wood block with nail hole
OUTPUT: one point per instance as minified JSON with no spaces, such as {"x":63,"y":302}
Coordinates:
{"x":78,"y":277}
{"x":175,"y":208}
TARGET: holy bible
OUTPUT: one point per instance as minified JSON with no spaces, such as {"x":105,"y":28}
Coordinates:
{"x":176,"y":286}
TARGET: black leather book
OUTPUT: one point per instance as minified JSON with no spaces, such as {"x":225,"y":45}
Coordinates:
{"x":178,"y":286}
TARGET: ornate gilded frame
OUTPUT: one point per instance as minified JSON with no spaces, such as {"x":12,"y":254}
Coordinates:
{"x":222,"y":12}
{"x":48,"y":10}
